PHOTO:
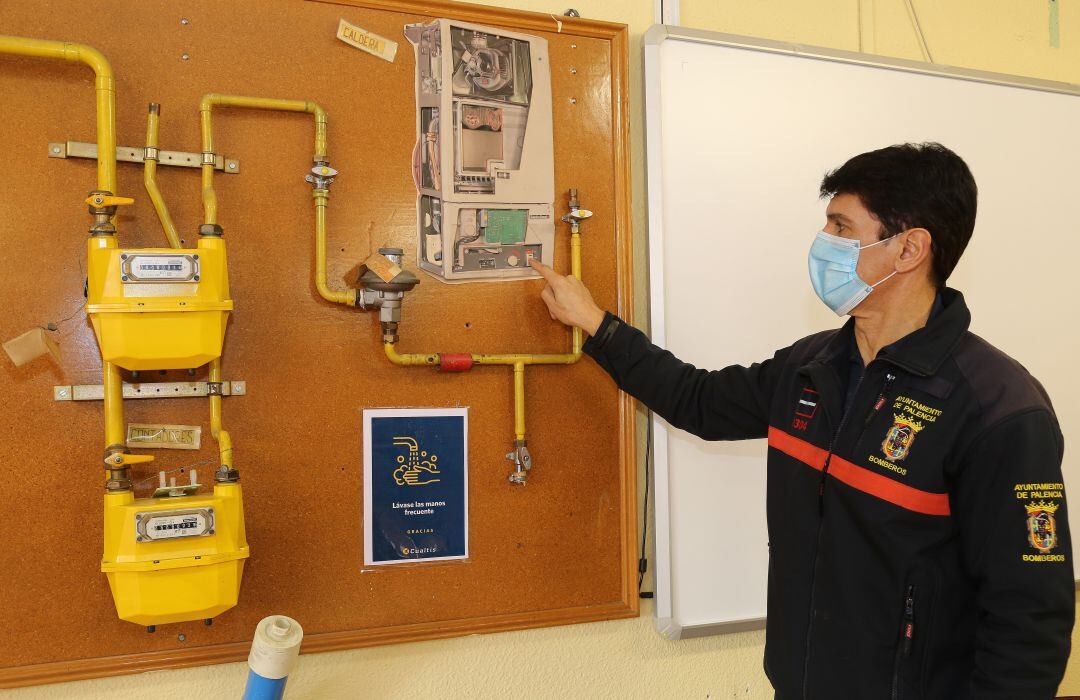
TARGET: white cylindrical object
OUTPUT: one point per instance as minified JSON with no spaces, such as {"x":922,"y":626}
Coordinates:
{"x":275,"y":646}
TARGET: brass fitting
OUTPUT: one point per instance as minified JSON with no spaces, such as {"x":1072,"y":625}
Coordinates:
{"x":522,"y":462}
{"x":119,"y":473}
{"x":226,"y":475}
{"x":102,"y":206}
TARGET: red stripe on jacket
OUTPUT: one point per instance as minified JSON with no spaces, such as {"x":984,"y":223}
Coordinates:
{"x":861,"y":478}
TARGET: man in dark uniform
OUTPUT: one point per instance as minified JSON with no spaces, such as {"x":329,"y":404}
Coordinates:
{"x":918,"y":532}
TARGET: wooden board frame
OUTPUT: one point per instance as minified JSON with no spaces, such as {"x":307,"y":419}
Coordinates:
{"x":625,"y":497}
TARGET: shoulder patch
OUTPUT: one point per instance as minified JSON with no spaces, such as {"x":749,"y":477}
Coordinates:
{"x":1041,"y":522}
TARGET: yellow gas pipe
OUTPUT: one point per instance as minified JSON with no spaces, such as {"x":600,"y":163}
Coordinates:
{"x":519,"y":400}
{"x":206,"y":106}
{"x":106,"y":181}
{"x":103,"y":83}
{"x":150,"y":162}
{"x":222,"y":436}
{"x":320,"y":195}
{"x":517,"y":361}
{"x":211,"y":100}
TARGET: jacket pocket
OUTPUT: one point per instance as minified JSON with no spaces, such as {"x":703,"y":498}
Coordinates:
{"x":916,"y":632}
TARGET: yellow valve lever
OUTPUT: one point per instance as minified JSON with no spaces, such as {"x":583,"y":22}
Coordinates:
{"x":109,"y":200}
{"x":121,"y":459}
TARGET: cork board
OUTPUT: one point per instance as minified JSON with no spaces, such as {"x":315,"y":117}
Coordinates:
{"x":559,"y":550}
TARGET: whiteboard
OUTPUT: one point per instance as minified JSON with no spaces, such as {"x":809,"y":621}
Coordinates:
{"x":739,"y":133}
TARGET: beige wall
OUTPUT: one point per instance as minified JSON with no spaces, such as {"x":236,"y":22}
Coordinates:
{"x":626,"y":658}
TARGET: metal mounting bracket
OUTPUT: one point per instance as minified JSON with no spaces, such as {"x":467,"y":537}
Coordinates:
{"x":147,"y":390}
{"x":81,"y":149}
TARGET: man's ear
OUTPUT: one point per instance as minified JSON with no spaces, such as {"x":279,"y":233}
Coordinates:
{"x":916,"y":249}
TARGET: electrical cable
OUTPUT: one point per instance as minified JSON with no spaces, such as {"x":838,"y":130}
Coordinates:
{"x":858,"y":22}
{"x":918,"y":31}
{"x":643,"y":562}
{"x":54,"y":326}
{"x":459,"y":262}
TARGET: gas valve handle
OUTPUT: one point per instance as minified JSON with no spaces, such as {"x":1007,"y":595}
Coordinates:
{"x":107,"y":200}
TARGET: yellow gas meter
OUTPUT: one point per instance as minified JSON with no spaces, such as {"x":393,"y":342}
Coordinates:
{"x":175,"y":557}
{"x":158,"y":308}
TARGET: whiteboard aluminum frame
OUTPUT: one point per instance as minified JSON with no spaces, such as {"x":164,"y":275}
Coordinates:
{"x":664,"y":620}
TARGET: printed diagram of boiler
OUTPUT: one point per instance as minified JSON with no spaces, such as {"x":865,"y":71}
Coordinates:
{"x":483,"y":162}
{"x":416,"y":467}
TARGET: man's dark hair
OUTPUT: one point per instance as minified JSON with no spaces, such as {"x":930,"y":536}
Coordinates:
{"x":914,"y":186}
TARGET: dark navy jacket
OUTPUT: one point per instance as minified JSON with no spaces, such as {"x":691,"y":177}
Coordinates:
{"x":919,"y":541}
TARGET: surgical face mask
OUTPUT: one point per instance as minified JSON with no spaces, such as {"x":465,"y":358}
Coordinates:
{"x":833,"y":264}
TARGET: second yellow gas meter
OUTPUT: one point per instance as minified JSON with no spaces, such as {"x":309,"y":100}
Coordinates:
{"x":158,"y":308}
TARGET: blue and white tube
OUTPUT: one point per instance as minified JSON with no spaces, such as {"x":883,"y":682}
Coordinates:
{"x":273,"y":655}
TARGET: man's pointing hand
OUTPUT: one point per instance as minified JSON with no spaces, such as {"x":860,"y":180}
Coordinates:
{"x":568,"y":300}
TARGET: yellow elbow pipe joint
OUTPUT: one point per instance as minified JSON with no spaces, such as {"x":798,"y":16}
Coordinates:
{"x":348,"y":298}
{"x":409,"y":359}
{"x":104,"y":85}
{"x":211,"y":100}
{"x":512,"y":359}
{"x":321,"y":195}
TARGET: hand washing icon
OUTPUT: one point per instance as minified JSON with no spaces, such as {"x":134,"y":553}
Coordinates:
{"x":416,"y":467}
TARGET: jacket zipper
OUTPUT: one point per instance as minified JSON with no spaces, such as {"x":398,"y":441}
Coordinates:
{"x":907,"y":638}
{"x":878,"y":404}
{"x":882,"y":398}
{"x":817,"y":549}
{"x":909,"y":620}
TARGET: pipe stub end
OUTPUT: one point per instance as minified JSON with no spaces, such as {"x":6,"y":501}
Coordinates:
{"x":275,"y":646}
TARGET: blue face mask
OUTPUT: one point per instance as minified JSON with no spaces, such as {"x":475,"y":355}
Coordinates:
{"x":833,"y":261}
